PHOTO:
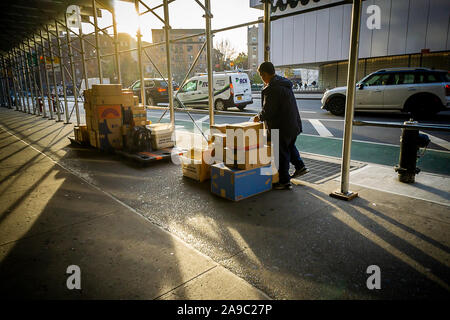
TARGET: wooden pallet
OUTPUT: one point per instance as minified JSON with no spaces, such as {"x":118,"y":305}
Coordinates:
{"x":142,"y":157}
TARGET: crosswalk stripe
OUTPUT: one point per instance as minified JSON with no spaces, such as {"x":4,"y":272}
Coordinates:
{"x":202,"y":119}
{"x":320,"y":128}
{"x":438,"y":141}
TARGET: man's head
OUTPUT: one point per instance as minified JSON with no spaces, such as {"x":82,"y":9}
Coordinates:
{"x":267,"y":71}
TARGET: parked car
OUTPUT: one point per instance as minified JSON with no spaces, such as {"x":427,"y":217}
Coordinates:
{"x":419,"y":91}
{"x":230,"y":90}
{"x":156,"y":90}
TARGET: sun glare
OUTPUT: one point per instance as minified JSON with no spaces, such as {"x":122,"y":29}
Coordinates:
{"x":127,"y":19}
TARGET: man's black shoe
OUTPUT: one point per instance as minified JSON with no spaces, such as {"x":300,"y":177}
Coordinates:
{"x":299,"y":172}
{"x":282,"y":186}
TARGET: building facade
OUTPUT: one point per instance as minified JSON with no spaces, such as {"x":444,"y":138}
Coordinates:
{"x":252,"y":48}
{"x":411,"y":33}
{"x":183,"y":52}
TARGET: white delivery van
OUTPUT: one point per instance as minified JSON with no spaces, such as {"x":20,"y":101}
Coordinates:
{"x":230,"y":90}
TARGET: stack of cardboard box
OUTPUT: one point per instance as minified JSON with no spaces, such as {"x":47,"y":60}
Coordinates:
{"x":110,"y":113}
{"x":243,"y":162}
{"x":240,"y":145}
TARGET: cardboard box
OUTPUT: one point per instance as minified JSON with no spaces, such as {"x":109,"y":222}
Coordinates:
{"x":236,"y":184}
{"x":93,"y":138}
{"x":87,"y":96}
{"x":247,"y":159}
{"x":163,"y":140}
{"x":125,"y":129}
{"x":135,"y":100}
{"x":195,"y":169}
{"x":161,"y":135}
{"x":218,"y":128}
{"x":109,"y":142}
{"x":244,"y":135}
{"x":122,"y":99}
{"x":106,"y":89}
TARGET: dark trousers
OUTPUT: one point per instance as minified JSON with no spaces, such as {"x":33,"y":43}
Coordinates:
{"x":288,"y":154}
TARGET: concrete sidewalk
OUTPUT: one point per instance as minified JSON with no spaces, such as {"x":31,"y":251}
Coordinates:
{"x":51,"y":219}
{"x":149,"y":233}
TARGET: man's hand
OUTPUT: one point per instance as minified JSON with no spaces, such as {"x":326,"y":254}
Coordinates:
{"x":255,"y":119}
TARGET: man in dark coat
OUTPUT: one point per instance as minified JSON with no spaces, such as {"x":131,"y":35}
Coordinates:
{"x":279,"y":111}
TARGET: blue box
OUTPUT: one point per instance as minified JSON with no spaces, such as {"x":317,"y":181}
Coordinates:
{"x":235,"y":184}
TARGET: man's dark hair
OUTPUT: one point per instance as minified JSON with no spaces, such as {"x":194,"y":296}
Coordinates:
{"x":266,"y":67}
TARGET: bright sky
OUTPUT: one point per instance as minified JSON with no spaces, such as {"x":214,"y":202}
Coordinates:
{"x":187,"y":14}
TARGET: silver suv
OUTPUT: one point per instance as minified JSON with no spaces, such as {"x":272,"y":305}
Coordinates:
{"x":419,"y":91}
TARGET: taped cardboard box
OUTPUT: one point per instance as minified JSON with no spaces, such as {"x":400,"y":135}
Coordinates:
{"x":106,"y":89}
{"x":244,"y":134}
{"x":247,"y":159}
{"x":236,"y":184}
{"x":218,"y":128}
{"x":161,"y":141}
{"x":122,"y":99}
{"x":195,"y":169}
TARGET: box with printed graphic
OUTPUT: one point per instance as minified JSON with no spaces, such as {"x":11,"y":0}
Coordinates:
{"x":234,"y":184}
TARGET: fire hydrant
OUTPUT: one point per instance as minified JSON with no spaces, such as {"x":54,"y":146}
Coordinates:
{"x":410,"y":143}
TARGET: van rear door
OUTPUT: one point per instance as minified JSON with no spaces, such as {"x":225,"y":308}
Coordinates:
{"x":241,"y":88}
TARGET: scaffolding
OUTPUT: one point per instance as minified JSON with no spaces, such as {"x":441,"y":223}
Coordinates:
{"x":22,"y":80}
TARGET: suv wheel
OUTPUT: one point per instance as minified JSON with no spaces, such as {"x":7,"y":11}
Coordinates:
{"x":220,"y":105}
{"x":423,"y":107}
{"x":336,"y":106}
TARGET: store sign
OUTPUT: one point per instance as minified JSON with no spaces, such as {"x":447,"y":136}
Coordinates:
{"x":287,"y":6}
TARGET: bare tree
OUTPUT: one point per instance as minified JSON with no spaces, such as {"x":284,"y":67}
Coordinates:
{"x":227,"y":52}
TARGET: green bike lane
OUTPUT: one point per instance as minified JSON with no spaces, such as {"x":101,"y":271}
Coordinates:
{"x":433,"y":161}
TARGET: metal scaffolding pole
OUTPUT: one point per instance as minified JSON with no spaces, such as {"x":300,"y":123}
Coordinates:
{"x":6,"y":94}
{"x":34,"y":83}
{"x":72,"y":69}
{"x":139,"y":54}
{"x":41,"y":86}
{"x":267,"y":9}
{"x":58,"y":112}
{"x":169,"y":69}
{"x":47,"y":81}
{"x":116,"y":47}
{"x":63,"y":77}
{"x":344,"y":193}
{"x":30,"y":86}
{"x":25,"y":76}
{"x":8,"y":76}
{"x":21,"y":100}
{"x":209,"y":54}
{"x":16,"y":80}
{"x":13,"y":76}
{"x":21,"y":81}
{"x":97,"y":42}
{"x":83,"y":60}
